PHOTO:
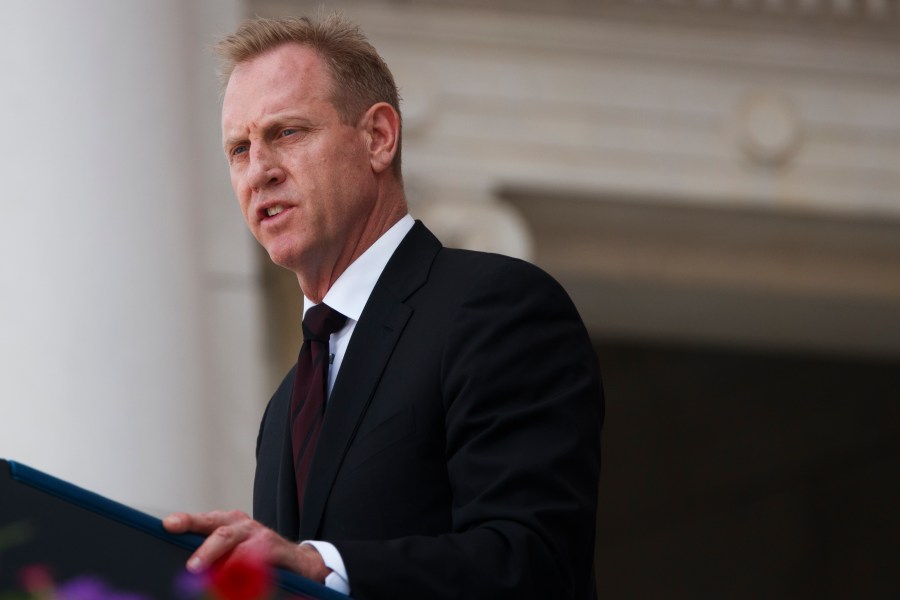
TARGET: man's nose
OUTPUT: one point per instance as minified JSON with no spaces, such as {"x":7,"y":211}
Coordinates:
{"x":265,"y":169}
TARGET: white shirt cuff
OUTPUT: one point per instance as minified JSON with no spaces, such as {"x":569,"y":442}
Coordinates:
{"x":337,"y":579}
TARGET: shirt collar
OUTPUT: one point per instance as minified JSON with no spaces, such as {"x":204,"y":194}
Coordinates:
{"x":349,"y":294}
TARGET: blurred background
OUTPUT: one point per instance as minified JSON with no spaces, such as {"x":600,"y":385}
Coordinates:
{"x":715,"y":182}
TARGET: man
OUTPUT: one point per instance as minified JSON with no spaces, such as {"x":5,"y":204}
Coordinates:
{"x":458,"y":456}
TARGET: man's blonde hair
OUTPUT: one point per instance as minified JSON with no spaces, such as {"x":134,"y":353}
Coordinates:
{"x":360,"y":77}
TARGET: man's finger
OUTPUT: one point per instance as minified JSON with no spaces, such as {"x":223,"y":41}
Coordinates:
{"x":221,"y":541}
{"x":198,"y":522}
{"x":226,"y":530}
{"x":177,"y":523}
{"x":204,"y":523}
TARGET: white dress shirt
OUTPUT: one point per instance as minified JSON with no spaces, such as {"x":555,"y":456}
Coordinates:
{"x":348,"y":295}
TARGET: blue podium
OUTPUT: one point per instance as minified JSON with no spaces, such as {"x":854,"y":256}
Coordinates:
{"x":76,"y":534}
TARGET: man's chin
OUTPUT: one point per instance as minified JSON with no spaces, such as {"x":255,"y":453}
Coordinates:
{"x":282,"y":262}
{"x":284,"y":258}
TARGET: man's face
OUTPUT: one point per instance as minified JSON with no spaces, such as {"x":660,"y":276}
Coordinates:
{"x":302,"y":177}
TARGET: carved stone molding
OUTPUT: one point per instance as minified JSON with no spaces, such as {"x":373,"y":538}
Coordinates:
{"x":754,"y":277}
{"x":870,"y":10}
{"x":472,"y":220}
{"x":844,"y":9}
{"x":767,"y":127}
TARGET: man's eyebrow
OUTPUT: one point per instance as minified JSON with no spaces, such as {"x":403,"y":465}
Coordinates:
{"x":271,"y":123}
{"x":243,"y":137}
{"x":231,"y":141}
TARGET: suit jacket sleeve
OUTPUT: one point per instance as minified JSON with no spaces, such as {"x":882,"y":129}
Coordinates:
{"x":523,"y":408}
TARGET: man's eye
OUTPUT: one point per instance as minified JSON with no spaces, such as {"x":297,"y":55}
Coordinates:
{"x":287,"y":132}
{"x":238,"y":149}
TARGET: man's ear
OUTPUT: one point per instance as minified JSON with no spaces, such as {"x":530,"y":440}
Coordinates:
{"x":382,"y":125}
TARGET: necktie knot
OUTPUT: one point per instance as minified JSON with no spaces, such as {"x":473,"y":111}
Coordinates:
{"x":320,"y":322}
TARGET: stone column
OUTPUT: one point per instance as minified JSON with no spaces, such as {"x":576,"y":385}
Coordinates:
{"x":119,"y":299}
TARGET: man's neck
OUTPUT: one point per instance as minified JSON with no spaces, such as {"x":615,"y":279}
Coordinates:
{"x":315,"y":283}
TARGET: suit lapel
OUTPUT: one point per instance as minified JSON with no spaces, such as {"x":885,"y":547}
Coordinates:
{"x":286,"y":494}
{"x":376,"y":334}
{"x":274,"y":490}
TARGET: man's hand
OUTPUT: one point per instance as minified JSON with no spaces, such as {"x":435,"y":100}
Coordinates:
{"x":235,"y":534}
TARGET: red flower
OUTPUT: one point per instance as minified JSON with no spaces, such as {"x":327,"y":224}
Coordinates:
{"x":242,"y":577}
{"x":36,"y":579}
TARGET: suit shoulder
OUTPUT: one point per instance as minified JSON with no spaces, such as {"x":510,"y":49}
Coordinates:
{"x":476,"y":262}
{"x":485,"y":271}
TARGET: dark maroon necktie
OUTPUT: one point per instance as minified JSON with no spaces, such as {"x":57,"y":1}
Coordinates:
{"x":311,"y":388}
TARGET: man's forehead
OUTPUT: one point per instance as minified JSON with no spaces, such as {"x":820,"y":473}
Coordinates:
{"x":280,"y":67}
{"x":273,"y":82}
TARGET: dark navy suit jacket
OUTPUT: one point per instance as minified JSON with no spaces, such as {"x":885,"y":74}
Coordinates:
{"x":459,"y":456}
